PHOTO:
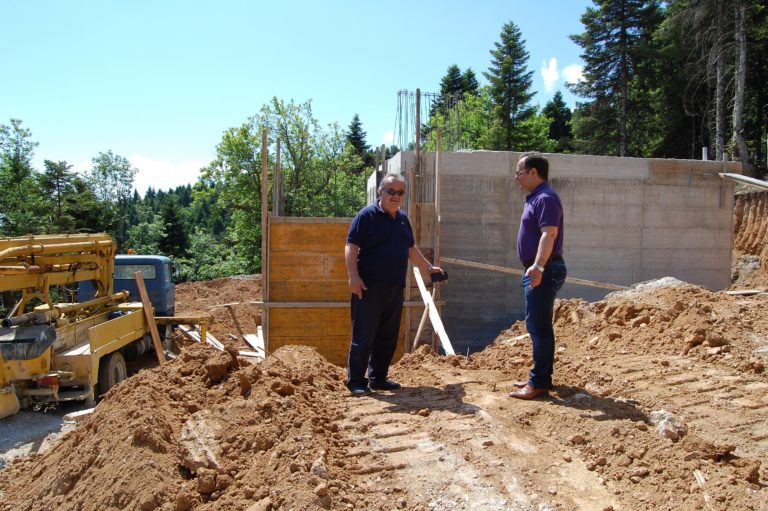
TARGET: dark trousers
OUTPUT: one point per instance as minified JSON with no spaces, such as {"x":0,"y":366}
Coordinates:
{"x":375,"y":327}
{"x":539,"y":306}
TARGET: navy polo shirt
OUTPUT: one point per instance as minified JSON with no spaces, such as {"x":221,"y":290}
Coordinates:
{"x":542,"y":208}
{"x":384,"y":242}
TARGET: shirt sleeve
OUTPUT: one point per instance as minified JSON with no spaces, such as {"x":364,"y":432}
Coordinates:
{"x":358,"y":229}
{"x":548,"y":211}
{"x":411,"y":241}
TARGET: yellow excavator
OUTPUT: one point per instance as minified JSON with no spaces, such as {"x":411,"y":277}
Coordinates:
{"x":51,"y":352}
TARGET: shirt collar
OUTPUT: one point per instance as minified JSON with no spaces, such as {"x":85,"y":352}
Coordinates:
{"x":538,"y":190}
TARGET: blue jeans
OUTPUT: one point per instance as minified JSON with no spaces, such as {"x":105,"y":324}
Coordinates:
{"x":539,"y":307}
{"x":375,"y":328}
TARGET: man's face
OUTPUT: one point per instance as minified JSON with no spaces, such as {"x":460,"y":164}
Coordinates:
{"x":525,"y":178}
{"x":391,"y":196}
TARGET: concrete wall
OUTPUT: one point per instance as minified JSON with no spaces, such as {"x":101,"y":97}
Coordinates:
{"x":627,"y":220}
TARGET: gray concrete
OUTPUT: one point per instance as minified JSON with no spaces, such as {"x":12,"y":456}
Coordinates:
{"x":627,"y":220}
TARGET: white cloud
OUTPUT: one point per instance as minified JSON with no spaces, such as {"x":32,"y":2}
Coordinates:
{"x":550,"y":74}
{"x":388,"y":138}
{"x":573,"y":73}
{"x":163,"y":174}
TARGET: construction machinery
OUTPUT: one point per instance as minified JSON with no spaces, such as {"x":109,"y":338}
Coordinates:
{"x":52,"y":352}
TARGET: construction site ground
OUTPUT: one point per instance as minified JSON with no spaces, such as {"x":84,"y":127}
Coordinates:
{"x":660,"y":403}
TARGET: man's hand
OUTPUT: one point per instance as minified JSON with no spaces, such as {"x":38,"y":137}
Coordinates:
{"x":436,"y":269}
{"x":535,"y":276}
{"x":357,"y":286}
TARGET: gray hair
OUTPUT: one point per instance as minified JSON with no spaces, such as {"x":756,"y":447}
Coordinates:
{"x":389,"y":178}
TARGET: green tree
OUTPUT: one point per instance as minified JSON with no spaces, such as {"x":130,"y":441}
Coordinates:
{"x":510,"y":84}
{"x":356,"y":137}
{"x":560,"y":124}
{"x":56,"y":183}
{"x":469,"y":124}
{"x":22,"y":205}
{"x":174,"y":241}
{"x":111,"y":176}
{"x":90,"y":214}
{"x":618,"y":52}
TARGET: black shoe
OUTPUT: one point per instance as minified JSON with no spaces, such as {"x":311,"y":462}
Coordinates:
{"x":386,"y":385}
{"x":359,"y":390}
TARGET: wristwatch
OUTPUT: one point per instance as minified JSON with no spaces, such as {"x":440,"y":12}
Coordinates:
{"x":538,"y":267}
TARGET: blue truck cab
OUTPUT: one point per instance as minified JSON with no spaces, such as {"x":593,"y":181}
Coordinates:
{"x":157,"y":272}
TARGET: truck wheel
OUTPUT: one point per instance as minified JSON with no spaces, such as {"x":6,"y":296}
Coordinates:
{"x":112,"y":371}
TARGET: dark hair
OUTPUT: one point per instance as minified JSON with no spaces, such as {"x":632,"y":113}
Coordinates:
{"x":535,"y":160}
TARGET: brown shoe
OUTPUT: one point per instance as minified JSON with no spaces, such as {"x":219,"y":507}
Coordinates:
{"x":520,"y":384}
{"x":528,"y":392}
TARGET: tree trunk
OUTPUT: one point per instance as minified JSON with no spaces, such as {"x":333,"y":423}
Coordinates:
{"x":720,"y":82}
{"x":739,"y":145}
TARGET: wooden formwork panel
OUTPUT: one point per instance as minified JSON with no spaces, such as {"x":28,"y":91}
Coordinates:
{"x":329,"y":330}
{"x":306,"y":264}
{"x":306,"y":261}
{"x":328,"y":238}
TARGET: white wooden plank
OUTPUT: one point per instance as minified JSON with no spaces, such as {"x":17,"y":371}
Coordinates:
{"x":434,"y":316}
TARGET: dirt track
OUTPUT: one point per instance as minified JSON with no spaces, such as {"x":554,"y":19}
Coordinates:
{"x":654,"y":387}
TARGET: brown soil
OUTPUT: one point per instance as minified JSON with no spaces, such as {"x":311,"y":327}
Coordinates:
{"x":660,"y":403}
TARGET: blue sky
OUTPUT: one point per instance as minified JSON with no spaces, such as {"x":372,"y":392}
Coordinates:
{"x":158,"y":82}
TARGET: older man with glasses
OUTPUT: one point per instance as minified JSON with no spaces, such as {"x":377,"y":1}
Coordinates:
{"x":379,"y":245}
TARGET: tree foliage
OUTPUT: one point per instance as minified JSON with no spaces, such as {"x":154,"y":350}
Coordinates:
{"x":510,"y":87}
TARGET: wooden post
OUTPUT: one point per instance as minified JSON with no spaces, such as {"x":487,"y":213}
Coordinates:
{"x":383,"y":160}
{"x":436,"y":256}
{"x":264,"y":231}
{"x":411,"y":213}
{"x":150,"y":317}
{"x":418,"y":131}
{"x":277,"y":184}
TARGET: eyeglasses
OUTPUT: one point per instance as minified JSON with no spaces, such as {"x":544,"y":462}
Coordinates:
{"x":521,"y":172}
{"x":392,"y":192}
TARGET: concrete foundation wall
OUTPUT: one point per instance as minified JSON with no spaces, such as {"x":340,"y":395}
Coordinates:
{"x":627,"y":220}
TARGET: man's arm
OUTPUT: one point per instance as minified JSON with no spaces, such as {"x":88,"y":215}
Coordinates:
{"x":356,"y":284}
{"x":417,"y":258}
{"x":544,"y":250}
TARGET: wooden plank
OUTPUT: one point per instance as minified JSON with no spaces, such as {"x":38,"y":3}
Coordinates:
{"x":310,"y":322}
{"x":310,"y":237}
{"x":310,"y":291}
{"x":301,"y":265}
{"x":256,"y":342}
{"x":264,"y":216}
{"x":194,"y":334}
{"x":434,"y":316}
{"x":515,"y":271}
{"x":149,"y":316}
{"x":322,"y":305}
{"x":324,"y":220}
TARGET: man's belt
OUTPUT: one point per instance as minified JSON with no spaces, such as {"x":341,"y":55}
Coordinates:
{"x":555,"y":257}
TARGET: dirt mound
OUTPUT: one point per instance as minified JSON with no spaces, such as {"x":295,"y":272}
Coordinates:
{"x":750,"y":241}
{"x":211,"y":298}
{"x":206,"y":431}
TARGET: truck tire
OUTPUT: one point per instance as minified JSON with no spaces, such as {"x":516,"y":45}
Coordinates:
{"x":112,"y":370}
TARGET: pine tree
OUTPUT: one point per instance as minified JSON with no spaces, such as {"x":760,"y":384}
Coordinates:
{"x":510,"y":85}
{"x":560,"y":126}
{"x":175,"y":242}
{"x":356,"y":137}
{"x":617,"y":50}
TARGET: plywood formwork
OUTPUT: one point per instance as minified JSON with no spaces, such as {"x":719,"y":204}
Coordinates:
{"x":308,"y":293}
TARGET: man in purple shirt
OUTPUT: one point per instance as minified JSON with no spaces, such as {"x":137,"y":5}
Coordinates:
{"x":540,"y":249}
